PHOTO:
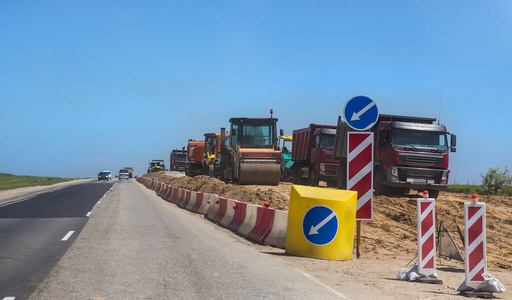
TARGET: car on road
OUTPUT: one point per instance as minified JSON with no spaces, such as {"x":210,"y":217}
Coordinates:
{"x":105,"y":175}
{"x":124,"y":174}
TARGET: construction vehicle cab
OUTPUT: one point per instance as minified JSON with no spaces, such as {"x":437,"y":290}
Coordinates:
{"x":195,"y":151}
{"x":285,"y":142}
{"x":250,"y":153}
{"x":211,"y":152}
{"x":156,"y":165}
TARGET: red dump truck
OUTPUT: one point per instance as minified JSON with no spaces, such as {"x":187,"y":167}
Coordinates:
{"x":178,"y":160}
{"x":409,"y":153}
{"x":195,"y":153}
{"x":312,"y":155}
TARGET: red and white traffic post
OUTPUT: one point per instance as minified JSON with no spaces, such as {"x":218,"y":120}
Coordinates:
{"x":360,"y":177}
{"x":426,"y":236}
{"x":476,"y":256}
{"x":360,"y":172}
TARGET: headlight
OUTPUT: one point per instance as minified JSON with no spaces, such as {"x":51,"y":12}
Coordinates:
{"x":444,"y":178}
{"x":394,"y":173}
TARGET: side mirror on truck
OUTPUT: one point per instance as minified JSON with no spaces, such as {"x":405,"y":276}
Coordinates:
{"x":383,"y":137}
{"x":281,"y":132}
{"x":453,"y":143}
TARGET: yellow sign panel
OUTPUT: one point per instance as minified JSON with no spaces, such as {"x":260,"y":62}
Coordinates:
{"x":321,"y":223}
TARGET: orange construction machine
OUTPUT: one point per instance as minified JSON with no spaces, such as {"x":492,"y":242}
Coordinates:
{"x":195,"y":152}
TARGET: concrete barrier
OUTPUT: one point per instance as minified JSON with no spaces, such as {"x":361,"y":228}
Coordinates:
{"x":239,"y":216}
{"x":250,"y":219}
{"x":213,"y":208}
{"x":230,"y":212}
{"x":169,"y":192}
{"x":203,"y":209}
{"x":174,"y":195}
{"x":264,"y":223}
{"x":192,"y":201}
{"x":198,"y":202}
{"x":277,"y":236}
{"x":185,"y":200}
{"x":223,"y":203}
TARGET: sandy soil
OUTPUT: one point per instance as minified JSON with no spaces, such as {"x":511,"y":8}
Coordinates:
{"x":392,"y":233}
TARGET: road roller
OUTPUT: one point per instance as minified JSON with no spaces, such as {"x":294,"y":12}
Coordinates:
{"x":250,"y":153}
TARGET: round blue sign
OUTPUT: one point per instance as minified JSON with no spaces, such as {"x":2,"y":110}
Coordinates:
{"x":320,"y":225}
{"x":361,"y":113}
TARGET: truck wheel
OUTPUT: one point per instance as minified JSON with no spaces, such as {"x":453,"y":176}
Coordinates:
{"x":378,"y":185}
{"x":341,"y":180}
{"x":433,"y":193}
{"x":312,"y":179}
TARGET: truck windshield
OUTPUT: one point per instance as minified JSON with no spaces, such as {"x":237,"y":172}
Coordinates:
{"x":414,"y":140}
{"x":256,"y":136}
{"x":327,"y":142}
{"x":180,"y":157}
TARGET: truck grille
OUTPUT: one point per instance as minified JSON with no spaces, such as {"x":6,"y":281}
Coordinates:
{"x":329,"y":156}
{"x":417,"y":159}
{"x":404,"y":173}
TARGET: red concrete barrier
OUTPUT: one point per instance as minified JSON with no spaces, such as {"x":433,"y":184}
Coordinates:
{"x":239,"y":217}
{"x":223,"y":205}
{"x":185,"y":200}
{"x":199,"y":202}
{"x":264,"y":223}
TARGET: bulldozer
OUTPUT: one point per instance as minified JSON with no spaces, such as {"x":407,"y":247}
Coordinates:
{"x":156,"y":165}
{"x":250,"y":154}
{"x":211,"y":152}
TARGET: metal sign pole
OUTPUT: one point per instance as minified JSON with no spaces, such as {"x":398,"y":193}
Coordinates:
{"x":358,"y":241}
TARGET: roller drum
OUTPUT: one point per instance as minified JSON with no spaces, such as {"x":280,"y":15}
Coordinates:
{"x":259,"y":172}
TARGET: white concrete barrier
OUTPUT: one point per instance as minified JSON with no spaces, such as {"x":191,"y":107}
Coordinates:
{"x":250,"y":219}
{"x":192,"y":200}
{"x":277,"y":236}
{"x":230,"y":212}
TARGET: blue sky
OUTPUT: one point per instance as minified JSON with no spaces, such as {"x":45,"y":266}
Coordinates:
{"x":93,"y":85}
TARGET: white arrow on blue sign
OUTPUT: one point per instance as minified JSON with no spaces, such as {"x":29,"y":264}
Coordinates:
{"x":320,"y":225}
{"x":361,"y":113}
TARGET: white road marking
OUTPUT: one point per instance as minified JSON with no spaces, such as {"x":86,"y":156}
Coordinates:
{"x":99,"y":202}
{"x":88,"y":214}
{"x":9,"y":298}
{"x":324,"y":285}
{"x":66,"y":237}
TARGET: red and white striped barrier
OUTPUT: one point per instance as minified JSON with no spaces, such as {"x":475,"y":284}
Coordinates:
{"x":360,"y":172}
{"x":426,"y":236}
{"x":230,"y":213}
{"x":261,"y":224}
{"x":475,"y":241}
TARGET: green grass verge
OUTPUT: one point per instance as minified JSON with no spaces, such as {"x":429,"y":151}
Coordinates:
{"x":9,"y":181}
{"x":474,"y":189}
{"x":465,"y":188}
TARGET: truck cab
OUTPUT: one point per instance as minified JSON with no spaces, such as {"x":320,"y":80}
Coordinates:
{"x":409,"y":153}
{"x":178,"y":160}
{"x":312,"y":155}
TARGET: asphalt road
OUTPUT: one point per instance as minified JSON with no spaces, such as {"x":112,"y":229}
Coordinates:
{"x":137,"y":246}
{"x":35,"y":233}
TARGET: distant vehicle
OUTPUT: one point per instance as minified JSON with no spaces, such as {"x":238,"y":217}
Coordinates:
{"x":156,"y":165}
{"x":250,"y":153}
{"x":178,"y":160}
{"x":312,"y":155}
{"x":105,"y":175}
{"x":124,"y":174}
{"x":286,"y":163}
{"x":130,"y":171}
{"x":195,"y":153}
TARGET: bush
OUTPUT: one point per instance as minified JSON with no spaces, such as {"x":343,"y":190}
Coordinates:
{"x":496,"y":182}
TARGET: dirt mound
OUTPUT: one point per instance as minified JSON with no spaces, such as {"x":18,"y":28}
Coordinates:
{"x":392,"y":233}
